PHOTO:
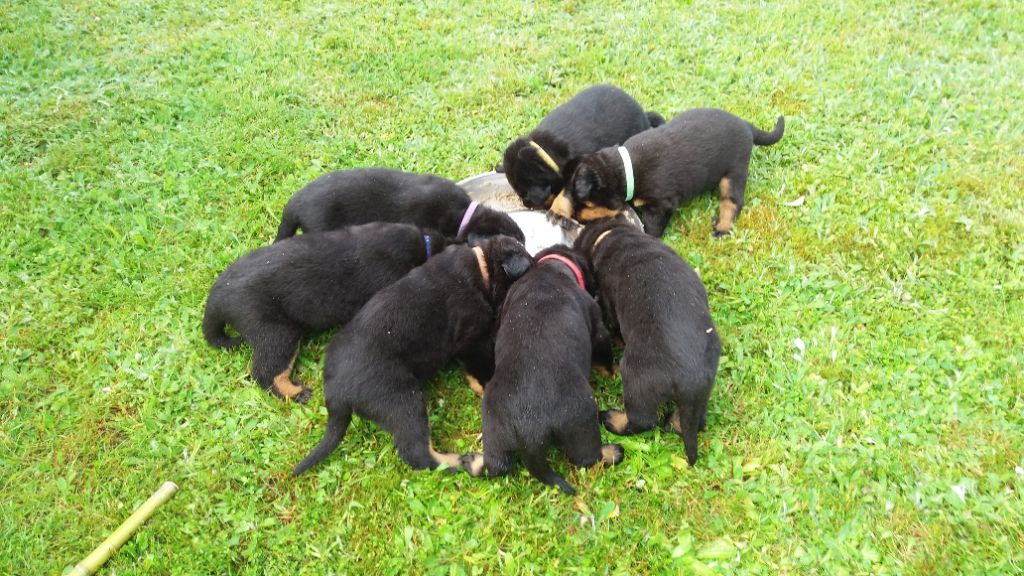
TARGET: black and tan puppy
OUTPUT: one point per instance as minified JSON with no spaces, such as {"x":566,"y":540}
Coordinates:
{"x":549,"y":331}
{"x":377,"y":365}
{"x":656,"y":170}
{"x":661,"y":309}
{"x":274,"y":295}
{"x":364,"y":195}
{"x":536,"y":165}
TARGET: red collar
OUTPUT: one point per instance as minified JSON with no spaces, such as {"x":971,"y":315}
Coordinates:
{"x":572,"y":266}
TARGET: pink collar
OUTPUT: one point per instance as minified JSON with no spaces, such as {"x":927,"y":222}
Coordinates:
{"x":572,"y":266}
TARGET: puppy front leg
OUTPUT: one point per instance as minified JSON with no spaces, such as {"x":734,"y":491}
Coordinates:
{"x":655,"y":217}
{"x":602,"y":358}
{"x":479,"y":366}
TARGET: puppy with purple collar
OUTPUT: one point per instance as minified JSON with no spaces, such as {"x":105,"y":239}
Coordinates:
{"x":364,"y":195}
{"x":549,"y":335}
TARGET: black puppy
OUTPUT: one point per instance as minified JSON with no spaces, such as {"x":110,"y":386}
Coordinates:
{"x":661,"y":309}
{"x":377,"y":365}
{"x":537,"y":165}
{"x":364,"y":195}
{"x":656,"y":170}
{"x":549,"y":330}
{"x":274,"y":295}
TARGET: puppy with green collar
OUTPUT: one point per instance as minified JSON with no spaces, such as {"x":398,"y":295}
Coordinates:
{"x":698,"y":150}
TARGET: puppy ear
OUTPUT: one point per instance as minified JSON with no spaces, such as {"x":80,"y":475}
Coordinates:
{"x":585,"y":181}
{"x":516,"y":265}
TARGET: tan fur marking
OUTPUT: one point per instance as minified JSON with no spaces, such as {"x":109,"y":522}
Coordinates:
{"x":594,"y":212}
{"x":475,"y":385}
{"x":608,"y":455}
{"x":481,"y":261}
{"x":283,"y":381}
{"x":618,"y":421}
{"x":726,"y":206}
{"x":639,"y":202}
{"x":452,"y":460}
{"x":674,"y":422}
{"x":549,"y":201}
{"x":562,"y":206}
{"x":476,"y":465}
{"x":604,"y":372}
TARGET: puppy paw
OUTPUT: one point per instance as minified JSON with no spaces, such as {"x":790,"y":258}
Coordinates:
{"x":303,"y":396}
{"x":615,"y":421}
{"x":612,"y":454}
{"x":716,"y":232}
{"x":472,"y":463}
{"x":559,"y":220}
{"x":605,"y":371}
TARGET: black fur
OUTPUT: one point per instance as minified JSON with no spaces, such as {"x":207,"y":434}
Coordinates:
{"x":548,"y":332}
{"x":274,"y":295}
{"x":661,"y":309}
{"x":599,"y":116}
{"x":378,"y":363}
{"x":364,"y":195}
{"x":689,"y":155}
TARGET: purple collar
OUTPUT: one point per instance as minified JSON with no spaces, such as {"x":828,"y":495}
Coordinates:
{"x":466,"y":217}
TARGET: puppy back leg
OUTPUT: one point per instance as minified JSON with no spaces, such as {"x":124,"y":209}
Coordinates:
{"x":403,"y":413}
{"x":274,"y":349}
{"x":641,"y":403}
{"x":731,"y":189}
{"x":536,"y":462}
{"x":582,"y":445}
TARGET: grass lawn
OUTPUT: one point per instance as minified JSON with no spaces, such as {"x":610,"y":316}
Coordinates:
{"x":868,"y":415}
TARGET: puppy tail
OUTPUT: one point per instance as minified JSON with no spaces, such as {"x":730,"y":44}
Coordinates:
{"x":337,"y":425}
{"x":213,"y":329}
{"x":289,"y":225}
{"x":537,"y":464}
{"x":762,"y":138}
{"x":655,"y":119}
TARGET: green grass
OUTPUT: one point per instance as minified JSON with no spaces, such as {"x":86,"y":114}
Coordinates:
{"x":144,"y":146}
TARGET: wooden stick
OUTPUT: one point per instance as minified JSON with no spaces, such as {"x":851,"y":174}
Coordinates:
{"x":104,"y":551}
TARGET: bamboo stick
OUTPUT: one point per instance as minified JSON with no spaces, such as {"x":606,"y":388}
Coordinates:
{"x":104,"y":551}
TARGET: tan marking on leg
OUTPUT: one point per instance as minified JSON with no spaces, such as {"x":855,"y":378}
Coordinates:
{"x":592,"y":211}
{"x":452,"y":460}
{"x":283,"y":381}
{"x":618,"y":421}
{"x":549,"y":201}
{"x":475,"y":385}
{"x":726,"y":207}
{"x":562,"y":206}
{"x":674,"y":423}
{"x":603,"y":371}
{"x":609,"y":455}
{"x":639,"y":202}
{"x":475,"y":466}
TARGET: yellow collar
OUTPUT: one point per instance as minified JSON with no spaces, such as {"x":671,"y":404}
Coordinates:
{"x":546,"y":158}
{"x":599,"y":238}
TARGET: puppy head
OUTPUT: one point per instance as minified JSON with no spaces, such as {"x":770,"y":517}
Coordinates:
{"x":487,"y":222}
{"x":507,"y":261}
{"x":578,"y":259}
{"x":597,"y":187}
{"x":532,"y":179}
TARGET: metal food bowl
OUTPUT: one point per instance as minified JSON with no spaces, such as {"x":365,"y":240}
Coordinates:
{"x":492,"y":190}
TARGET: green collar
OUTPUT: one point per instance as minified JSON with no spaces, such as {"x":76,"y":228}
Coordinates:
{"x":627,"y":165}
